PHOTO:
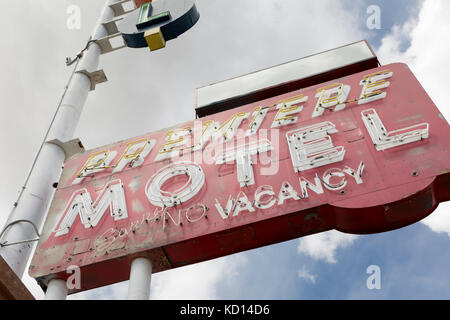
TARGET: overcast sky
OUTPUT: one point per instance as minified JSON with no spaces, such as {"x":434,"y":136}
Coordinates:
{"x":150,"y":91}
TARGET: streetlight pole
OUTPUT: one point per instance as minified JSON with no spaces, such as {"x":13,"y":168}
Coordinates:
{"x":30,"y":209}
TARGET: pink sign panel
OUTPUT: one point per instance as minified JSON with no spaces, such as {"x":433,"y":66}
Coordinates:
{"x":363,"y":154}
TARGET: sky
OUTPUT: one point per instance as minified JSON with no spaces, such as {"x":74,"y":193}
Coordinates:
{"x":151,"y":91}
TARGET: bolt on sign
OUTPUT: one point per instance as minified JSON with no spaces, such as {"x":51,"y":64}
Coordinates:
{"x":363,"y":154}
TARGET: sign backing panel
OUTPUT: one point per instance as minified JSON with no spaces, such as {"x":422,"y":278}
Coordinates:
{"x":363,"y":154}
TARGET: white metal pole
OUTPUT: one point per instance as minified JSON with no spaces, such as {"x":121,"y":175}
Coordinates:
{"x":31,"y":207}
{"x":56,"y":290}
{"x":140,"y":279}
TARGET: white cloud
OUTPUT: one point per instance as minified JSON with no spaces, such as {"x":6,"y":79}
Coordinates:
{"x":428,"y":57}
{"x":323,"y":246}
{"x":306,"y":275}
{"x":439,"y":220}
{"x":428,"y":53}
{"x":391,"y":44}
{"x":198,"y":281}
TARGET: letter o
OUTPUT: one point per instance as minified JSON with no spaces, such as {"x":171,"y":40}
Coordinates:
{"x":161,"y":198}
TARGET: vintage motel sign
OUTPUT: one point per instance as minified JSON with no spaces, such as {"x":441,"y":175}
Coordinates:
{"x":362,"y":154}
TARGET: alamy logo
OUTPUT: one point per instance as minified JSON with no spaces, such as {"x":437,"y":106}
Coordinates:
{"x":74,"y":20}
{"x":374,"y":19}
{"x":374,"y":280}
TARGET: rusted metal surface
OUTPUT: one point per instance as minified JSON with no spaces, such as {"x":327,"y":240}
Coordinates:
{"x":11,"y":287}
{"x":399,"y":186}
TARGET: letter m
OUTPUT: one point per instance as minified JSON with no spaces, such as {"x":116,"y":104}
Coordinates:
{"x":80,"y":204}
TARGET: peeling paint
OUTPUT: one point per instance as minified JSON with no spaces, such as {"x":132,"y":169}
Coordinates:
{"x":137,"y":206}
{"x":135,"y":183}
{"x":411,"y":118}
